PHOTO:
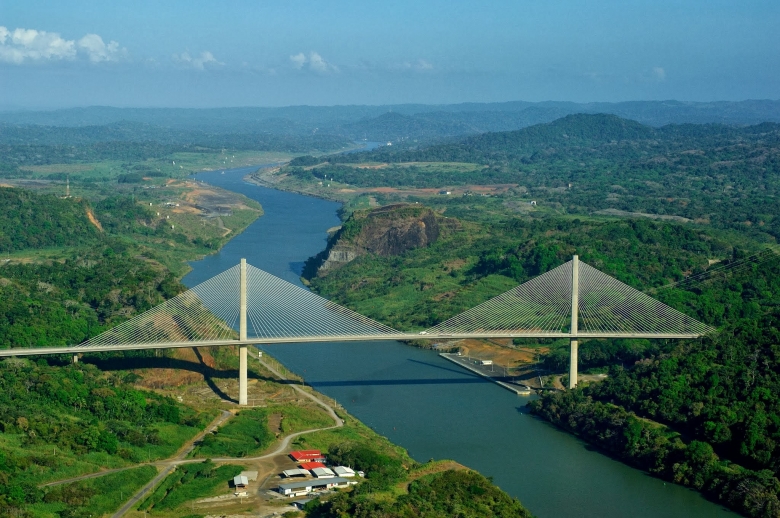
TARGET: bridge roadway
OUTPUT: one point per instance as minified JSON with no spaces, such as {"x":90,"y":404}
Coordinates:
{"x":78,"y":349}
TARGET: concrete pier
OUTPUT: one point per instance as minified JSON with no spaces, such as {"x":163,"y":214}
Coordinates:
{"x":575,"y":303}
{"x":519,"y":390}
{"x":242,"y":349}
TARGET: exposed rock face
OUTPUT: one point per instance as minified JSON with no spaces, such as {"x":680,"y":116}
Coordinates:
{"x":337,"y":257}
{"x":386,"y":231}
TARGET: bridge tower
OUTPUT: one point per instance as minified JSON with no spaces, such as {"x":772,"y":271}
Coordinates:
{"x":242,"y":348}
{"x":575,"y":302}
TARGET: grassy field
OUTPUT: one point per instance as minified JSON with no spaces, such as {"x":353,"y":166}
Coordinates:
{"x":92,"y":497}
{"x":55,"y":464}
{"x":189,"y":482}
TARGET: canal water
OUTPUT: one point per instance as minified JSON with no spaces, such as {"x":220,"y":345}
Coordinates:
{"x":430,"y":406}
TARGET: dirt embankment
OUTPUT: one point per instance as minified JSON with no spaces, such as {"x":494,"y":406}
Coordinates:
{"x":92,"y":219}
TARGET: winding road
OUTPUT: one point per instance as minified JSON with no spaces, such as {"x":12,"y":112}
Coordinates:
{"x":169,"y":465}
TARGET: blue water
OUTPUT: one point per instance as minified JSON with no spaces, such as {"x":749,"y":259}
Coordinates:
{"x":430,"y":406}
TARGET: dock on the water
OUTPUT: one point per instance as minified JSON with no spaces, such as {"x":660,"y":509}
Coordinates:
{"x":520,"y":390}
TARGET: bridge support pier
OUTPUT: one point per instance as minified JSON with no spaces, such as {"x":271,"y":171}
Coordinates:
{"x":573,"y":365}
{"x":242,"y":375}
{"x":575,"y":306}
{"x":75,"y":358}
{"x":242,"y":360}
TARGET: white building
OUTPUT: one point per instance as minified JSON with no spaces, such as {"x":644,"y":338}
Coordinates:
{"x":323,"y":473}
{"x":304,"y":487}
{"x":297,"y":472}
{"x":343,"y":471}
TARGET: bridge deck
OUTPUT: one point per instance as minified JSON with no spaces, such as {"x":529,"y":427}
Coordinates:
{"x":77,"y":349}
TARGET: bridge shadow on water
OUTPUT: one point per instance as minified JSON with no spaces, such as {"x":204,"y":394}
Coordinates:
{"x":210,"y":374}
{"x":465,"y":378}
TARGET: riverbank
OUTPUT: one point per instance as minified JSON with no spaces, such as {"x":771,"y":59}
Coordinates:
{"x":429,"y":406}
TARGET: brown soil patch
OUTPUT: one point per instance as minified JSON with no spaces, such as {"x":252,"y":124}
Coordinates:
{"x":159,"y":378}
{"x":275,"y":423}
{"x":503,"y":355}
{"x":93,"y":219}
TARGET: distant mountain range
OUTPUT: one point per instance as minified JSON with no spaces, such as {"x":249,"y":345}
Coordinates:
{"x":396,"y":123}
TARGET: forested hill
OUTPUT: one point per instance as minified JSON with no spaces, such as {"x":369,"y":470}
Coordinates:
{"x":29,"y":220}
{"x":723,"y":176}
{"x":102,"y":275}
{"x":28,"y":135}
{"x":593,"y":133}
{"x":417,"y":121}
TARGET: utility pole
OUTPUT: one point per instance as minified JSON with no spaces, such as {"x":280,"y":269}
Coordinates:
{"x":242,"y":348}
{"x":575,"y":302}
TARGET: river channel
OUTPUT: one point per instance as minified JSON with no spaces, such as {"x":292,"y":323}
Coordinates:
{"x":430,"y":406}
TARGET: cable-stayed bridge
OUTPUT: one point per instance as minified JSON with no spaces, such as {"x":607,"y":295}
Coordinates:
{"x":245,"y":305}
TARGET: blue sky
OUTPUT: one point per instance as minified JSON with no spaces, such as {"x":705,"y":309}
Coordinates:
{"x":277,"y":53}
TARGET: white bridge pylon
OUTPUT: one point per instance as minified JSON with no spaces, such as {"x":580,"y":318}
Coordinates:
{"x":245,"y":305}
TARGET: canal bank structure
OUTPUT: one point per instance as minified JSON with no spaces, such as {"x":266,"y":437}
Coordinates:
{"x":425,"y":402}
{"x":486,"y":369}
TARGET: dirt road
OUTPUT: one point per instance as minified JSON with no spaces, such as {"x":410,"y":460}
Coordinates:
{"x":169,"y":465}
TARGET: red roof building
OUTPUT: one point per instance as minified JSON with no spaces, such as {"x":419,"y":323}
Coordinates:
{"x":312,"y":465}
{"x":307,"y":456}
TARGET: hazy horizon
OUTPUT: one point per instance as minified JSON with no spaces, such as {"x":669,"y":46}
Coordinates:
{"x":275,"y":54}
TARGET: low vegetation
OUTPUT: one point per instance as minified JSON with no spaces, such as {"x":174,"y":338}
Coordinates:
{"x":189,"y":482}
{"x":244,"y":435}
{"x":91,"y":497}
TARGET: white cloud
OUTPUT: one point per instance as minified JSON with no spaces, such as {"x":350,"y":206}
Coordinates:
{"x":314,"y":61}
{"x":659,"y":73}
{"x":25,"y":45}
{"x":22,"y":45}
{"x":97,"y":50}
{"x":205,"y":60}
{"x":298,"y":60}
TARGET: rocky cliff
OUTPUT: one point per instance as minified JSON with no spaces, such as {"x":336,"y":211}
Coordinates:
{"x":386,"y":231}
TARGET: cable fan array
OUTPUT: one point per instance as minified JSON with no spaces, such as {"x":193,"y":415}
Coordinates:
{"x":210,"y":312}
{"x":206,"y":312}
{"x":543,"y":306}
{"x":609,"y":306}
{"x":279,"y":309}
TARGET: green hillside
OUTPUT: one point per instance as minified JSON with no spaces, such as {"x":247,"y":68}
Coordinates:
{"x":29,"y":221}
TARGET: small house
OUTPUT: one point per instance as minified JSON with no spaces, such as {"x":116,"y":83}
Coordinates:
{"x":240,"y":481}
